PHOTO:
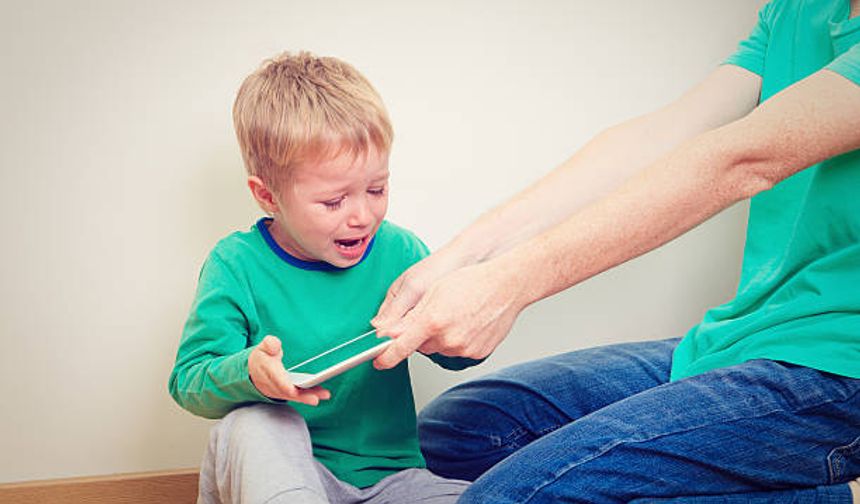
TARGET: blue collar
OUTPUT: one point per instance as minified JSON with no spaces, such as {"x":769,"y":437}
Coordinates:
{"x":299,"y":263}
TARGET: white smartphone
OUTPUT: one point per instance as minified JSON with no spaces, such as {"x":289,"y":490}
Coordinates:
{"x":335,"y":361}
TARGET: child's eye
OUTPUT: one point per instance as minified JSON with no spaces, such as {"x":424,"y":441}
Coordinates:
{"x":333,"y":204}
{"x":377,"y":191}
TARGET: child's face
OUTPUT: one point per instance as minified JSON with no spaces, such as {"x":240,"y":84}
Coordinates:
{"x":330,"y":210}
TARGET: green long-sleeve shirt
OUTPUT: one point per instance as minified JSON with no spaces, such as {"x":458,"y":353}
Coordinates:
{"x":249,"y":288}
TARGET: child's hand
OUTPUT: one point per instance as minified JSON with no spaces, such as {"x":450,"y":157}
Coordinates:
{"x":271,"y":379}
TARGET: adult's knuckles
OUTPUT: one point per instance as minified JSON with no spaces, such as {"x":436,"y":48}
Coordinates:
{"x":453,"y":345}
{"x":436,"y":326}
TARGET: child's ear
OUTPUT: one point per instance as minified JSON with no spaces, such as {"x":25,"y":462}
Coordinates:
{"x":264,"y":196}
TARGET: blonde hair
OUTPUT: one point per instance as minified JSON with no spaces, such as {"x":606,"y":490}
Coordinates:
{"x":298,"y":108}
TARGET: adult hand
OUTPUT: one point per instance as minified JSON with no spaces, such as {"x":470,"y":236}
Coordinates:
{"x":266,"y":368}
{"x":467,"y":314}
{"x":411,"y":286}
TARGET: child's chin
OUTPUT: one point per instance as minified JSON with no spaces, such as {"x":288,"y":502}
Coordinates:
{"x":337,"y":260}
{"x":345,"y":263}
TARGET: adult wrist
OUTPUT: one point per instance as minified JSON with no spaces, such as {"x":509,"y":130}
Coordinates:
{"x":506,"y":275}
{"x":466,"y":249}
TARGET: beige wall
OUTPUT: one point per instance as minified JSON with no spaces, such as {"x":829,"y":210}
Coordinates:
{"x":119,"y":172}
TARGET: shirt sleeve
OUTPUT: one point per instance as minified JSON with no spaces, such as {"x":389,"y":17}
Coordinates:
{"x":751,"y":52}
{"x":848,"y":64}
{"x":210,"y":376}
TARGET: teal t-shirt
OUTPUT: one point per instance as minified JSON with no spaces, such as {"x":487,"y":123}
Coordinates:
{"x":798,"y":299}
{"x":249,"y":288}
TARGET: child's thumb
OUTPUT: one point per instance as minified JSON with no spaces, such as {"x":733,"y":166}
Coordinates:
{"x":271,"y":345}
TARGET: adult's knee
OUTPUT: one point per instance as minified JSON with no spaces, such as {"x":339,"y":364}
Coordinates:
{"x":469,"y":428}
{"x":477,"y":413}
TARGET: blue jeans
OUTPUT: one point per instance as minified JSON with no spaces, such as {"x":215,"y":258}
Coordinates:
{"x":607,"y":425}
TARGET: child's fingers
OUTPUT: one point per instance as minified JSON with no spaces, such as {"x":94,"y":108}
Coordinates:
{"x":271,"y":345}
{"x":311,"y":396}
{"x":320,"y":392}
{"x":274,"y":380}
{"x":285,"y":389}
{"x":278,"y":377}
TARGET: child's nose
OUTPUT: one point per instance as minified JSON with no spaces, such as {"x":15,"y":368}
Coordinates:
{"x":361,"y":215}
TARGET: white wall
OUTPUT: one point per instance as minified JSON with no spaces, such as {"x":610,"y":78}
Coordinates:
{"x":120,"y":171}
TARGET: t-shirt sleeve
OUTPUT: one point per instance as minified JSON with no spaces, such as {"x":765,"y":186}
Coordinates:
{"x":418,"y":249}
{"x":210,"y":376}
{"x":848,"y":64}
{"x":751,"y":52}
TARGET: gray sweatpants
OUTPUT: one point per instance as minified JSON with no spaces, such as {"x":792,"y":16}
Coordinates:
{"x":262,"y":454}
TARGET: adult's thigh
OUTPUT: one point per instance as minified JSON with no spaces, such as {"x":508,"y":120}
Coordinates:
{"x":474,"y":425}
{"x":755,"y":427}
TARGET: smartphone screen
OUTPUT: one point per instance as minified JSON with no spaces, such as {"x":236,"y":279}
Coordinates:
{"x":332,"y":357}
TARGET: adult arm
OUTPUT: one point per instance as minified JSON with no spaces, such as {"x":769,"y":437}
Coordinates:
{"x":601,"y":166}
{"x":471,"y":310}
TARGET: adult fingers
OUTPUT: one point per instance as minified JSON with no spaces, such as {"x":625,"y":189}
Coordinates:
{"x":402,"y":296}
{"x":383,"y":315}
{"x":395,"y":330}
{"x":430,"y":347}
{"x":402,"y":347}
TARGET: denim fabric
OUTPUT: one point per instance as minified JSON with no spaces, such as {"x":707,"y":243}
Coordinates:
{"x":606,"y":425}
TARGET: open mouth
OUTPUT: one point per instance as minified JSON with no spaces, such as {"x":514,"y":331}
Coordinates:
{"x":351,"y":244}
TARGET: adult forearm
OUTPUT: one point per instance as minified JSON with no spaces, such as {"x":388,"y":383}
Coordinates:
{"x":599,"y":167}
{"x":605,"y":162}
{"x":676,"y":193}
{"x":795,"y":129}
{"x":472,"y":309}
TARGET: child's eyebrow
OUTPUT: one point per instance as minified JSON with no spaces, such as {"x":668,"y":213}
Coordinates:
{"x":335,"y":190}
{"x":331,"y":191}
{"x":382,"y":176}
